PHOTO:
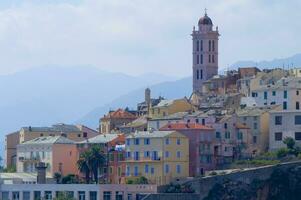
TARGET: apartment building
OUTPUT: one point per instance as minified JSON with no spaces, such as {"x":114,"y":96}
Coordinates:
{"x":198,"y":135}
{"x":160,"y":156}
{"x":57,"y":152}
{"x":285,"y":92}
{"x":72,"y":132}
{"x":284,"y":124}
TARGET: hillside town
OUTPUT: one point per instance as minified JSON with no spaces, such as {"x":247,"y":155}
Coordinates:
{"x":232,"y":120}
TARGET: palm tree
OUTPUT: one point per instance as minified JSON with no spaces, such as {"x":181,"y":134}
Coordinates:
{"x":83,"y":165}
{"x":98,"y":160}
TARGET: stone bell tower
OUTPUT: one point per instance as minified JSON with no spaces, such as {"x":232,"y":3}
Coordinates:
{"x":204,"y":52}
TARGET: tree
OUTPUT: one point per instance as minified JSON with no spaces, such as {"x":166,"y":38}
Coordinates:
{"x":90,"y":162}
{"x":98,"y":161}
{"x":1,"y":166}
{"x":63,"y":196}
{"x":83,"y":165}
{"x":57,"y":176}
{"x":290,"y":143}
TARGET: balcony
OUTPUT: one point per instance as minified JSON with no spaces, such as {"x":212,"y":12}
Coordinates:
{"x":141,"y":160}
{"x":32,"y":159}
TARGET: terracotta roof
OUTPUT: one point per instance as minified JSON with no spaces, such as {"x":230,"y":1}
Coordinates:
{"x":120,"y":113}
{"x":182,"y":126}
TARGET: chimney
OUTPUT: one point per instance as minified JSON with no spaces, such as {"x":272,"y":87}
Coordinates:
{"x":41,"y":169}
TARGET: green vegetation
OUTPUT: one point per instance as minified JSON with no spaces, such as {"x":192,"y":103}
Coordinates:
{"x":140,"y":180}
{"x":90,"y":162}
{"x":57,"y":176}
{"x":9,"y":169}
{"x":289,"y":153}
{"x":177,"y":188}
{"x":70,"y":179}
{"x":64,"y":196}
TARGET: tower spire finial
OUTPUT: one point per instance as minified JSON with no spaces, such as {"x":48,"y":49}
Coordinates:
{"x":205,"y":11}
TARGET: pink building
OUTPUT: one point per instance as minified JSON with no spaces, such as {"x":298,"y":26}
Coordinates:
{"x":198,"y":136}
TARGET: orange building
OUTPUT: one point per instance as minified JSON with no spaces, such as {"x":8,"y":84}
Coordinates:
{"x":115,"y":119}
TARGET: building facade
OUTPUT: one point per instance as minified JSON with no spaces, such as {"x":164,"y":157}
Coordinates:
{"x":159,"y":156}
{"x":284,"y":124}
{"x":205,"y":52}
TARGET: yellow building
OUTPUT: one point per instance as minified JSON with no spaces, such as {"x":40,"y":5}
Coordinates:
{"x":159,"y":156}
{"x":168,"y":107}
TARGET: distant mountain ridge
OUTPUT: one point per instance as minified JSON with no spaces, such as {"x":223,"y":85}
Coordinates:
{"x":49,"y":95}
{"x":290,"y":62}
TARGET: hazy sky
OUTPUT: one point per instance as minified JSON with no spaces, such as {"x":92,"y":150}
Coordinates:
{"x":139,"y":36}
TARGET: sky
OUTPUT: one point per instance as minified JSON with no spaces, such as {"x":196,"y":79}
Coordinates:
{"x":139,"y":36}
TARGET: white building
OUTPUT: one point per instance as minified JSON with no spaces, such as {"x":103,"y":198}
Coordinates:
{"x":285,"y":92}
{"x":284,"y":124}
{"x":205,"y":52}
{"x":76,"y":191}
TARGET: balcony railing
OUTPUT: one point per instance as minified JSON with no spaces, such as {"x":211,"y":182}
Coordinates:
{"x":143,"y":159}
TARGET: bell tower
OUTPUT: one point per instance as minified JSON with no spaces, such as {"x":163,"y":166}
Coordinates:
{"x":204,"y":52}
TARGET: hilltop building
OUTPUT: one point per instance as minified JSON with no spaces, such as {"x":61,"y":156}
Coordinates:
{"x":205,"y":52}
{"x":114,"y":120}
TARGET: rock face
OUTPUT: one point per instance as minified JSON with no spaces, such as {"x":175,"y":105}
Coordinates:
{"x":282,"y":185}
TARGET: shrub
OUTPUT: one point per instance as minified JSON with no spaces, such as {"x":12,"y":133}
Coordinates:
{"x":281,"y":153}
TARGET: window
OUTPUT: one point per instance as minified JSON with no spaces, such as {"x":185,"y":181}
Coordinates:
{"x":213,"y":45}
{"x":297,"y":92}
{"x":255,"y":126}
{"x":166,"y":154}
{"x":178,"y":141}
{"x":136,"y":171}
{"x":128,"y":142}
{"x":225,"y":125}
{"x":119,"y":195}
{"x":278,"y":120}
{"x":197,"y":121}
{"x":209,"y":45}
{"x":297,"y":105}
{"x":226,"y":149}
{"x":37,"y":194}
{"x":146,"y":154}
{"x":16,"y":196}
{"x":254,"y":94}
{"x":203,"y":121}
{"x":155,"y":155}
{"x":107,"y":195}
{"x":146,"y":141}
{"x":209,"y":58}
{"x":278,"y":136}
{"x":178,"y":154}
{"x":178,"y":169}
{"x":298,"y":120}
{"x":130,"y":196}
{"x":201,"y":58}
{"x":254,"y":139}
{"x":274,"y":93}
{"x":239,"y":135}
{"x":297,"y":135}
{"x":166,"y":169}
{"x":167,"y":141}
{"x":85,"y":134}
{"x":146,"y":169}
{"x":48,"y":195}
{"x":79,"y":135}
{"x":218,"y":135}
{"x":26,"y":195}
{"x":136,"y":141}
{"x":213,"y":60}
{"x":285,"y":94}
{"x":81,"y":195}
{"x":197,"y":59}
{"x":128,"y":170}
{"x":152,"y":170}
{"x":5,"y":195}
{"x":265,"y":95}
{"x":197,"y":74}
{"x":284,"y":105}
{"x":136,"y":155}
{"x":227,"y":135}
{"x":201,"y":74}
{"x":201,"y":45}
{"x":197,"y":45}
